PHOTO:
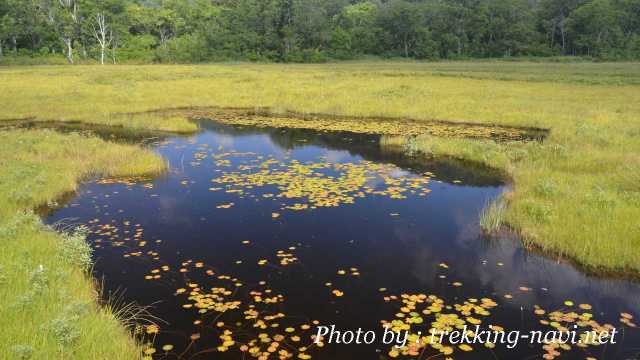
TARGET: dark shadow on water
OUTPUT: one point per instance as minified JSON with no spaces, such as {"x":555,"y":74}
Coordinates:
{"x":516,"y":133}
{"x":106,"y":132}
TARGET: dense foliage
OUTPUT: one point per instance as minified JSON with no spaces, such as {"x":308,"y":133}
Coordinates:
{"x":316,"y":30}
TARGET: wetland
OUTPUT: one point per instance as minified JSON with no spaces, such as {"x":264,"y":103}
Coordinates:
{"x":255,"y":236}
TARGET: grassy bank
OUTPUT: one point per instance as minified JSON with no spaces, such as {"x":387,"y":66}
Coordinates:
{"x":48,"y":301}
{"x":577,"y":194}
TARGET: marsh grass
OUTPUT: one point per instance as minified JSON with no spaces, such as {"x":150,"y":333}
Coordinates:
{"x":49,"y":304}
{"x":573,"y":194}
{"x":576,"y":194}
{"x":492,"y":215}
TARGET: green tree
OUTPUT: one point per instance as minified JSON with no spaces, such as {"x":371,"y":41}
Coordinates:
{"x":510,"y":29}
{"x":359,"y":22}
{"x":400,"y":20}
{"x":594,"y":27}
{"x":310,"y":30}
{"x":553,"y":16}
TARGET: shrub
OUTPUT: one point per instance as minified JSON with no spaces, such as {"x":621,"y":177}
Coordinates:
{"x":75,"y":250}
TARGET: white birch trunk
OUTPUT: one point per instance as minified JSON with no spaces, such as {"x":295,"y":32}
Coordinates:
{"x":102,"y":34}
{"x":69,"y":44}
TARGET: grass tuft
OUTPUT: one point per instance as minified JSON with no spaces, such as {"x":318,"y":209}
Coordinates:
{"x":492,"y":215}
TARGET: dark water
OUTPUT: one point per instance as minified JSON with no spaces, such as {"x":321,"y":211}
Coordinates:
{"x":427,"y":243}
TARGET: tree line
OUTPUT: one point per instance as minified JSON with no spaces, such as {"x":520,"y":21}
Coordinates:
{"x":317,"y":30}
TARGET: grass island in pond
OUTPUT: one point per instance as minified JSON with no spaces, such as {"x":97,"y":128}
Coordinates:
{"x":330,"y":194}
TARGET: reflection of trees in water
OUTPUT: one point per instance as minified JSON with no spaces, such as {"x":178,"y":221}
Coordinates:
{"x":370,"y":147}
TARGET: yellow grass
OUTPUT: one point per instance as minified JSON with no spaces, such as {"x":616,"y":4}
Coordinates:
{"x":577,"y":194}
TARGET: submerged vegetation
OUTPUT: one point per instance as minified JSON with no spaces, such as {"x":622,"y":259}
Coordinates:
{"x":49,"y":301}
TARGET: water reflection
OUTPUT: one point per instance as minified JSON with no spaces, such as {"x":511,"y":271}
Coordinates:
{"x":152,"y":239}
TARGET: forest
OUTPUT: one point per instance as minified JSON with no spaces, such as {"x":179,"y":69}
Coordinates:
{"x":189,"y":31}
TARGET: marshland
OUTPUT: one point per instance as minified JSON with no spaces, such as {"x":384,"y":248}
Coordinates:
{"x":223,"y":179}
{"x":514,"y":207}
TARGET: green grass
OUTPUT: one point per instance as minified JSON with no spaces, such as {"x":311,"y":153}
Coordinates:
{"x":576,"y":73}
{"x":492,"y":216}
{"x":577,"y":194}
{"x":48,"y":302}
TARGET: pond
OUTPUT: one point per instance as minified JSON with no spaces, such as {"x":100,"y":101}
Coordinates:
{"x":257,"y":236}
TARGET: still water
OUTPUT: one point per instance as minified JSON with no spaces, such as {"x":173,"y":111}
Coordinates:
{"x":257,"y":236}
